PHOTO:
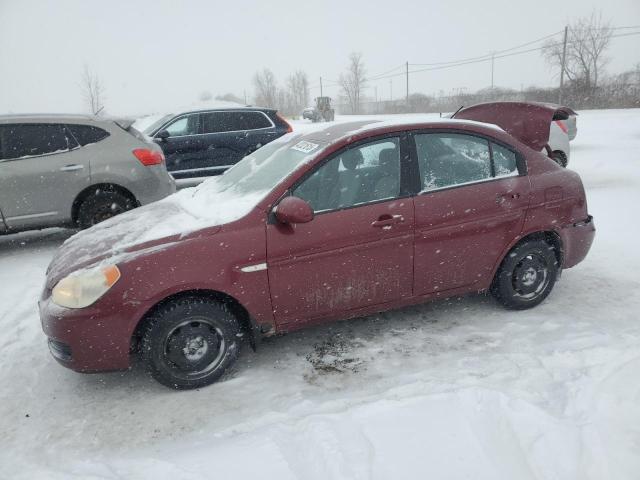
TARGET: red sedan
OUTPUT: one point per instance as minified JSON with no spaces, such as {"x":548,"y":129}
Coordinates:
{"x":353,"y":219}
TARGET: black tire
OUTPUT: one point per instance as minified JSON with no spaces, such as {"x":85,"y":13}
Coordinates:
{"x":190,"y":342}
{"x":526,"y":276}
{"x":101,"y":205}
{"x":560,"y":158}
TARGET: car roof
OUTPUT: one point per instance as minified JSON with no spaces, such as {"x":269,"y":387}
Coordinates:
{"x":45,"y":116}
{"x":53,"y":118}
{"x":247,"y":108}
{"x":373,"y":126}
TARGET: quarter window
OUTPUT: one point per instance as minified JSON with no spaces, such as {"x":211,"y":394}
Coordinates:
{"x":29,"y":140}
{"x":255,"y":120}
{"x":360,"y":175}
{"x":87,"y":134}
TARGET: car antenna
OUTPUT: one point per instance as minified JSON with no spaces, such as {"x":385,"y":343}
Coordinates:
{"x":456,"y":112}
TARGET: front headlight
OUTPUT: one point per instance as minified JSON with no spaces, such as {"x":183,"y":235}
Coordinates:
{"x":81,"y":289}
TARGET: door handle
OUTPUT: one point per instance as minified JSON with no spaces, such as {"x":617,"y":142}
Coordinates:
{"x":387,"y":221}
{"x":71,"y":168}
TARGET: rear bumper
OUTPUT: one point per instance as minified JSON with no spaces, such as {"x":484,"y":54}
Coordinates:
{"x":156,"y":188}
{"x":577,"y":239}
{"x":86,"y":340}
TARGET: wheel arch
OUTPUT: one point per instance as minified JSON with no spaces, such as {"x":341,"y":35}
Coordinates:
{"x":550,"y":236}
{"x":87,"y":192}
{"x":247,"y":325}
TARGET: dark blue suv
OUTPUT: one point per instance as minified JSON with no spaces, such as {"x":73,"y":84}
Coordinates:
{"x":207,"y":142}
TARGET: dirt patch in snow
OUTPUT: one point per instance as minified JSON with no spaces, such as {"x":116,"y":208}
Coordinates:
{"x":337,"y":354}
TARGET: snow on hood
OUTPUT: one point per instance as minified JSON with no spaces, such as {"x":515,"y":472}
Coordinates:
{"x":160,"y":223}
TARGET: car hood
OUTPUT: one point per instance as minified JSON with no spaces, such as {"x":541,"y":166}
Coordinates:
{"x":529,"y":122}
{"x":141,"y":231}
{"x":189,"y":213}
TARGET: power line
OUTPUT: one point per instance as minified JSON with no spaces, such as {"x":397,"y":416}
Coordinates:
{"x":488,"y":58}
{"x":488,"y":55}
{"x":373,"y":77}
{"x":508,"y":52}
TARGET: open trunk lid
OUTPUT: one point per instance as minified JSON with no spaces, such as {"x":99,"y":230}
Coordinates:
{"x":528,"y":122}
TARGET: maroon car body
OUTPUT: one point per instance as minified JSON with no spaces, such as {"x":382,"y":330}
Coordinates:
{"x":419,"y":245}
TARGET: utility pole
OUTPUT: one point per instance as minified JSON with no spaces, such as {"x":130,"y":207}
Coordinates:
{"x":391,"y":89}
{"x":407,"y":65}
{"x":492,"y":61}
{"x":376,"y":90}
{"x":321,"y":86}
{"x":245,"y":97}
{"x":564,"y":59}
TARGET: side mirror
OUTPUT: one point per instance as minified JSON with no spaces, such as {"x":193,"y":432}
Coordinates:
{"x":162,"y":135}
{"x":293,"y":210}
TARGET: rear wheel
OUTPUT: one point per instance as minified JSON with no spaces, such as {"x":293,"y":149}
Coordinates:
{"x":190,"y":342}
{"x":101,"y":205}
{"x":526,"y":276}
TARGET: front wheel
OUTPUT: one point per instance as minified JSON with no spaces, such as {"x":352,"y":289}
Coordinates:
{"x":526,"y":276}
{"x":190,"y":342}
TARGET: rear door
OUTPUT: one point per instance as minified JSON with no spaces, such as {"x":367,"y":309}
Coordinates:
{"x":39,"y":174}
{"x":472,"y":205}
{"x":231,"y":135}
{"x":225,"y":138}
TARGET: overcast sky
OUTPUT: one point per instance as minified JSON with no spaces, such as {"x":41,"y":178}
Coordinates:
{"x":155,"y":55}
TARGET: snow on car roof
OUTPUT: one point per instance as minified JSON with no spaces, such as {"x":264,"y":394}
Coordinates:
{"x":338,"y":131}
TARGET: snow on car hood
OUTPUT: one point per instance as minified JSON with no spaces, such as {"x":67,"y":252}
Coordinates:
{"x":153,"y":226}
{"x":528,"y":122}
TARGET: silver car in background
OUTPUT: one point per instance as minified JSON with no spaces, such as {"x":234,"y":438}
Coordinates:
{"x":70,"y":170}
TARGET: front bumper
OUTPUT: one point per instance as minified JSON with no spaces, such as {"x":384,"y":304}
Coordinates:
{"x":88,"y":339}
{"x":577,"y":239}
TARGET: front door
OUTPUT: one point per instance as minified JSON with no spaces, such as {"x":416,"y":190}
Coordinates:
{"x":472,"y":205}
{"x":183,"y":150}
{"x":40,"y":175}
{"x":358,"y":250}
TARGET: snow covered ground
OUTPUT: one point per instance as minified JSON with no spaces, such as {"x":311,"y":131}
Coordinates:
{"x":453,"y":389}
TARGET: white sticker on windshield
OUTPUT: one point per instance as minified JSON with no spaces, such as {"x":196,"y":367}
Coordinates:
{"x":305,"y":147}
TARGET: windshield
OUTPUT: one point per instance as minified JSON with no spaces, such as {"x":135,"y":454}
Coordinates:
{"x":266,"y":167}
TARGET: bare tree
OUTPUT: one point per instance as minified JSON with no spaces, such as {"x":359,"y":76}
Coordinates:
{"x":587,"y":41}
{"x":205,"y":96}
{"x":353,"y":81}
{"x":266,"y":89}
{"x":297,"y":96}
{"x":93,"y":91}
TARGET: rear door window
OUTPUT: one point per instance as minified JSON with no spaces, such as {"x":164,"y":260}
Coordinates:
{"x":504,"y":161}
{"x":448,"y":159}
{"x":87,"y":134}
{"x":30,"y":140}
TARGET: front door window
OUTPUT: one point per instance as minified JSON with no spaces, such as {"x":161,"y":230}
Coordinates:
{"x":360,"y":175}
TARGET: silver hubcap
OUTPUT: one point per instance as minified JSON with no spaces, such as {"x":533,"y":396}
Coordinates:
{"x":195,"y":348}
{"x":529,"y":277}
